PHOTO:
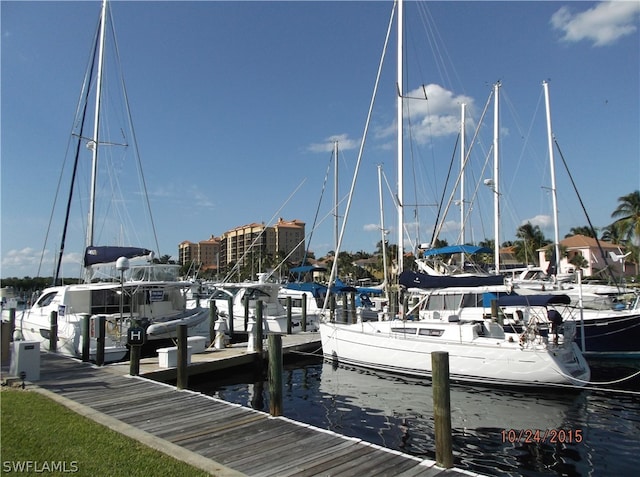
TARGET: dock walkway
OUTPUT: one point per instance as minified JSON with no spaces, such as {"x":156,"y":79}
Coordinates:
{"x":221,"y":438}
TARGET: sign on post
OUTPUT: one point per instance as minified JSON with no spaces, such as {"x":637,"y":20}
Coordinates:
{"x":136,"y":336}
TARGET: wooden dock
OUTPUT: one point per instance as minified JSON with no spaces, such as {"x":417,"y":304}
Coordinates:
{"x":221,"y":438}
{"x":213,"y":360}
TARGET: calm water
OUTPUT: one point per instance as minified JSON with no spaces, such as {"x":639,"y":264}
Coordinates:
{"x":595,"y":432}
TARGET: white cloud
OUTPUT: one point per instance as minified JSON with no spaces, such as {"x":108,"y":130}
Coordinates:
{"x":542,"y":221}
{"x":29,"y":262}
{"x":344,"y":143}
{"x":436,"y":116}
{"x":603,"y":24}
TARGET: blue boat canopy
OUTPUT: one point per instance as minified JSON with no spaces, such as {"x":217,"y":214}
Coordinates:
{"x":307,"y":269}
{"x":468,"y":249}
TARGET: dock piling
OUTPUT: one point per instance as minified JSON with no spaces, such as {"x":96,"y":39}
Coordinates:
{"x":183,"y":376}
{"x":53,"y":331}
{"x":275,"y":374}
{"x":100,"y":332}
{"x":442,"y":408}
{"x":304,"y":312}
{"x":86,"y":338}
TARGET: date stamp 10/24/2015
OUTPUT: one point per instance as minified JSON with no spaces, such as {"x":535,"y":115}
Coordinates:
{"x":543,"y":436}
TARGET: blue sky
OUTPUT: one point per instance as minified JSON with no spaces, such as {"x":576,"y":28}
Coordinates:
{"x":236,"y":106}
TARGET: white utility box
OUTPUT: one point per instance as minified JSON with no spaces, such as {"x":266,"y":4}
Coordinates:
{"x":198,"y":343}
{"x":168,"y":357}
{"x":25,"y":358}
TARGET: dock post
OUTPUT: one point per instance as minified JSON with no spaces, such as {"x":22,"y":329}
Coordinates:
{"x":245,"y":301}
{"x":213,"y":317}
{"x":275,"y":374}
{"x":259,"y":334}
{"x":100,"y":332}
{"x":182,"y":357}
{"x":6,"y":343}
{"x":495,"y":312}
{"x":405,"y":308}
{"x":393,"y":305}
{"x":134,"y":360}
{"x":86,"y":337}
{"x":442,"y":408}
{"x":289,"y":325}
{"x":345,"y":308}
{"x":12,"y":320}
{"x":53,"y":331}
{"x":259,"y":348}
{"x":304,"y":312}
{"x":352,"y":307}
{"x":230,"y":307}
{"x":332,"y":308}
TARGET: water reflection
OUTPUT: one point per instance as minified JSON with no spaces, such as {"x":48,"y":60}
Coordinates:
{"x":397,"y":413}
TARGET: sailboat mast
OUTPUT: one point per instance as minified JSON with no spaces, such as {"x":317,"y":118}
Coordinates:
{"x":554,"y":197}
{"x":96,"y":126}
{"x":400,"y":139}
{"x":335,"y":198}
{"x":462,"y":161}
{"x":496,"y":180}
{"x":383,"y":232}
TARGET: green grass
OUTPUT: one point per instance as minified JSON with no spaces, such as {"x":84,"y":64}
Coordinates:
{"x":36,"y":428}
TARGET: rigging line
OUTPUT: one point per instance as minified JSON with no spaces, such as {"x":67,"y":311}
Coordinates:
{"x":315,"y":218}
{"x":282,"y":262}
{"x":237,"y":265}
{"x":593,"y":230}
{"x":444,"y":190}
{"x":334,"y":266}
{"x":526,"y":136}
{"x":85,"y":90}
{"x":135,"y":141}
{"x":466,"y":160}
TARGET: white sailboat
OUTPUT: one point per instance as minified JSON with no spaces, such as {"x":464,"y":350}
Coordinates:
{"x":478,"y":351}
{"x":148,"y":294}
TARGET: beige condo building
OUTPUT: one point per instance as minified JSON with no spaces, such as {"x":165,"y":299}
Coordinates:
{"x":250,"y":243}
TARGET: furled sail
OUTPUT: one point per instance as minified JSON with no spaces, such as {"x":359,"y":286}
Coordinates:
{"x":108,"y":254}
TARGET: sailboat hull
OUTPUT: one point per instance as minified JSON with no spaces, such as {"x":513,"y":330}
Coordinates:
{"x":406,"y":347}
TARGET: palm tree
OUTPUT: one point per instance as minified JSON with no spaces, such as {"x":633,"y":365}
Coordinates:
{"x":531,"y":239}
{"x":611,"y":233}
{"x":584,"y":230}
{"x":628,"y":223}
{"x":628,"y":216}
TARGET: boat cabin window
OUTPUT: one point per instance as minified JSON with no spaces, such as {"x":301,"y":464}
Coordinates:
{"x":430,"y":332}
{"x":444,"y":302}
{"x":406,"y":331}
{"x":46,"y":300}
{"x":471,"y":300}
{"x":256,"y":294}
{"x":219,"y":294}
{"x":107,"y":302}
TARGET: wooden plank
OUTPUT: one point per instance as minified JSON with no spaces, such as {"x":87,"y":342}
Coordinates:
{"x":220,"y":422}
{"x":326,"y":469}
{"x":323,"y":447}
{"x":255,"y":444}
{"x":208,"y":431}
{"x":244,"y":436}
{"x":427,"y":470}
